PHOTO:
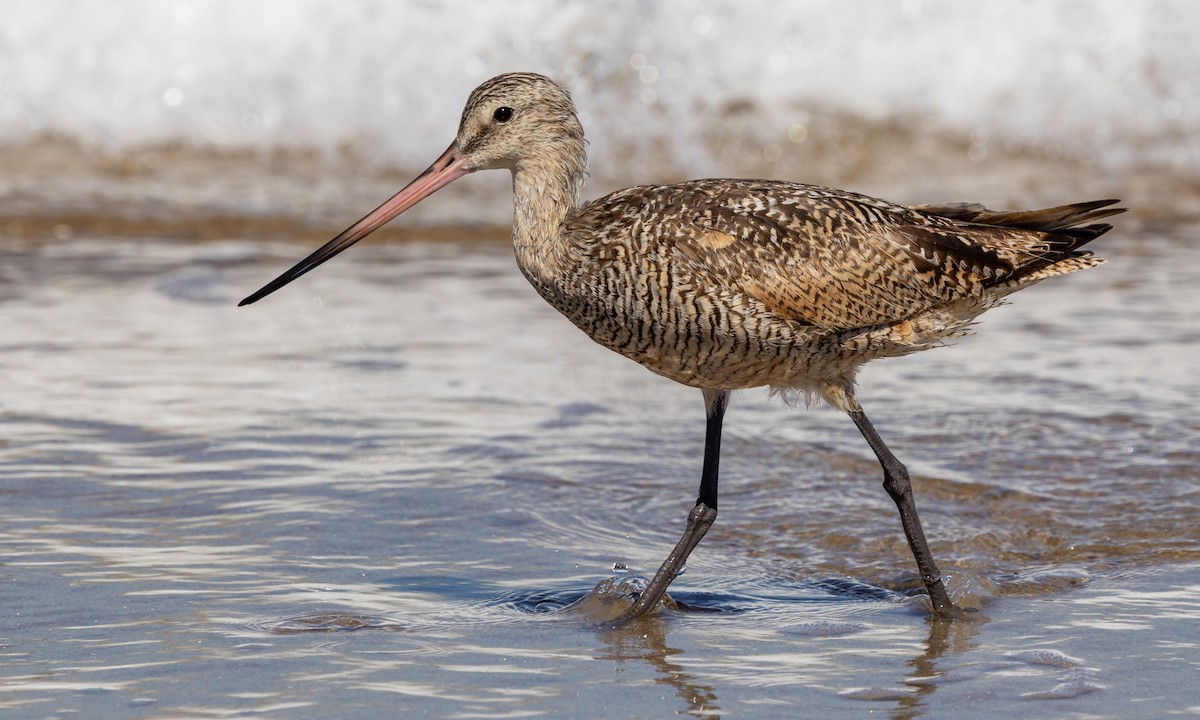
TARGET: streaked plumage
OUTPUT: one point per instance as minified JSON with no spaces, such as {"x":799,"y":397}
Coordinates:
{"x":731,"y":284}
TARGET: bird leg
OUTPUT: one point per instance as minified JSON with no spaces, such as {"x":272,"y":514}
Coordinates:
{"x":700,"y":519}
{"x":898,"y":485}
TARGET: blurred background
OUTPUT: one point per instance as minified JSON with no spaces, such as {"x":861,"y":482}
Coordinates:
{"x":198,"y":501}
{"x":222,"y":118}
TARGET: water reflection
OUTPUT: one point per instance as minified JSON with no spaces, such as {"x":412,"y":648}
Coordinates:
{"x":645,"y":641}
{"x":952,"y":637}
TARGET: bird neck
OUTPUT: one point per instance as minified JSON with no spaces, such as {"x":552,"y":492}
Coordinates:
{"x":546,"y":191}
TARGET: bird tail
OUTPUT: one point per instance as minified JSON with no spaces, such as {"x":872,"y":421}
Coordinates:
{"x":1058,"y":250}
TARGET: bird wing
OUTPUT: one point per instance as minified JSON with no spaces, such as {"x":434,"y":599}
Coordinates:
{"x":1047,"y":220}
{"x":834,"y":259}
{"x":830,"y":258}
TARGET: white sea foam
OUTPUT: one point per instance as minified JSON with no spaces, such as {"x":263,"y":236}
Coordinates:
{"x":1111,"y":80}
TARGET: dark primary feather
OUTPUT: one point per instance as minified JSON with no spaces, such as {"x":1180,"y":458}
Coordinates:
{"x":1047,"y":220}
{"x":1061,"y":224}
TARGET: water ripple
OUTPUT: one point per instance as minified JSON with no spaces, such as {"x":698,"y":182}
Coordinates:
{"x":200,"y":497}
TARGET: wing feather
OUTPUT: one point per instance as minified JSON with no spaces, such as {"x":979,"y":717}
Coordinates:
{"x":835,"y":259}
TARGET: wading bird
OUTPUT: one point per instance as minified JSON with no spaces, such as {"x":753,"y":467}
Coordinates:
{"x":729,"y":284}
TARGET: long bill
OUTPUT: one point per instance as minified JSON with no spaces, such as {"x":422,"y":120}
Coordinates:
{"x":445,"y":170}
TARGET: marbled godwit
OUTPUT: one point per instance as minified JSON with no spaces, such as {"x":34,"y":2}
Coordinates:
{"x":730,"y":284}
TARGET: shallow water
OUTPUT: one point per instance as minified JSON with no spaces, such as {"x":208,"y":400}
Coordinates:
{"x":380,"y":492}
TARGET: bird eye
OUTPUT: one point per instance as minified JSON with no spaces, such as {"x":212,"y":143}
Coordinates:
{"x":503,"y":114}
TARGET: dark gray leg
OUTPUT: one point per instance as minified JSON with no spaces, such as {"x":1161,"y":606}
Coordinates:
{"x":899,"y":487}
{"x":700,"y":519}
